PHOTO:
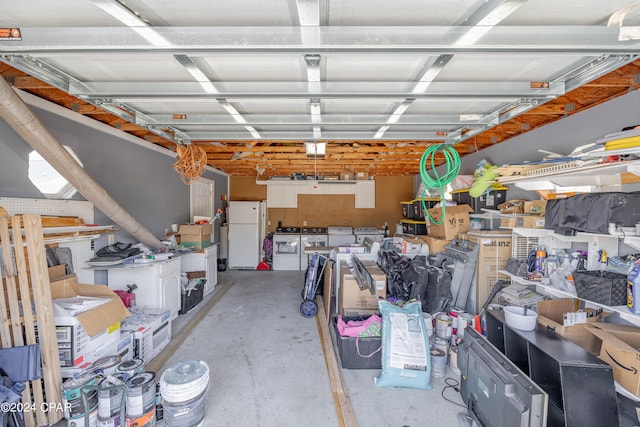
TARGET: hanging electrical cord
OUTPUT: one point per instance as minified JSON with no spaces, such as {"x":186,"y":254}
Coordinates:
{"x":452,"y":164}
{"x":190,"y":162}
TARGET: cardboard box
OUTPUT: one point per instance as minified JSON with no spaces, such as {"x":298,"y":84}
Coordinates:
{"x":196,"y":229}
{"x":122,"y":347}
{"x":196,"y":236}
{"x":537,"y":207}
{"x":57,"y":271}
{"x":354,"y":356}
{"x":456,"y":221}
{"x":96,"y":320}
{"x":151,"y":333}
{"x":346,"y":176}
{"x":619,"y":349}
{"x":493,"y":253}
{"x":524,"y":221}
{"x":355,"y":302}
{"x":551,"y":314}
{"x":79,"y":336}
{"x":414,"y":246}
{"x":362,"y":175}
{"x":435,"y":245}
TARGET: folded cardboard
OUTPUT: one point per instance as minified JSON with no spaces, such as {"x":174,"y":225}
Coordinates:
{"x":93,"y":321}
{"x":619,"y":349}
{"x":456,"y":221}
{"x":551,"y":315}
{"x":356,"y":301}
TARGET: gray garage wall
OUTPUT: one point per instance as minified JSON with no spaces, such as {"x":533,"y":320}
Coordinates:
{"x":140,"y":179}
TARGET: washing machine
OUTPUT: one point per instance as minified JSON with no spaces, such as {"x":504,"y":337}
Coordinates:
{"x":286,"y":248}
{"x":370,"y":232}
{"x":340,"y":236}
{"x":311,"y":237}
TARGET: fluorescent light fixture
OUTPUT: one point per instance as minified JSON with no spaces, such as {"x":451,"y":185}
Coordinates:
{"x":394,"y":117}
{"x":233,"y":112}
{"x":381,"y":132}
{"x":132,"y":20}
{"x":430,"y":73}
{"x":315,"y":112}
{"x":485,"y":23}
{"x":196,"y":72}
{"x":315,"y":149}
{"x":254,"y":133}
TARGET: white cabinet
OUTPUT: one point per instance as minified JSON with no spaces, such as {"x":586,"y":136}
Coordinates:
{"x":366,"y":194}
{"x":284,"y":194}
{"x":203,"y":260}
{"x":158,"y":283}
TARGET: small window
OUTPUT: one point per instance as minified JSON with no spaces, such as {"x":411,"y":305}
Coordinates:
{"x":50,"y":183}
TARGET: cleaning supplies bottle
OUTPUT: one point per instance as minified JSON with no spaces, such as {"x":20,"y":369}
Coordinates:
{"x":633,"y":289}
{"x":551,"y":264}
{"x":541,"y":254}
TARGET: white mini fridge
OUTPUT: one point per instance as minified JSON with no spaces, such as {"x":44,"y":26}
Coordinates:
{"x":246,"y":220}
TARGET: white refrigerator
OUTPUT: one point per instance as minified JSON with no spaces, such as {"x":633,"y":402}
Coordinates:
{"x":246,"y":220}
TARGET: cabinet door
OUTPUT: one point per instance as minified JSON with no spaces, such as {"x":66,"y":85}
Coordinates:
{"x":211,"y":260}
{"x":170,"y":289}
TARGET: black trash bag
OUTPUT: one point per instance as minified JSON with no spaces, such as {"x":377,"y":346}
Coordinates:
{"x":394,"y":267}
{"x":118,"y":251}
{"x":438,"y":295}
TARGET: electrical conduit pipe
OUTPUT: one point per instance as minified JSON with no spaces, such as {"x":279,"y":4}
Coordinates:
{"x":18,"y":115}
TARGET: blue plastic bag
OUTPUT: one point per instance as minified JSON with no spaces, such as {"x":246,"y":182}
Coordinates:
{"x":406,"y":360}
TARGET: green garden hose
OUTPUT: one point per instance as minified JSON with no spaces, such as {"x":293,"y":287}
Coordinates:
{"x":452,"y":163}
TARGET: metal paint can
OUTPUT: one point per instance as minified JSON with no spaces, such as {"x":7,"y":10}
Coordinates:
{"x":111,"y":393}
{"x":438,"y":363}
{"x":441,"y":344}
{"x":428,"y":323}
{"x":106,"y":365}
{"x":465,"y":320}
{"x":131,"y":367}
{"x":74,"y":406}
{"x":141,"y":394}
{"x":147,"y":419}
{"x":444,"y":328}
{"x":112,"y":421}
{"x":454,"y":312}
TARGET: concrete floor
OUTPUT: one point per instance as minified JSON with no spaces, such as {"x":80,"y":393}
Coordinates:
{"x":267,"y":367}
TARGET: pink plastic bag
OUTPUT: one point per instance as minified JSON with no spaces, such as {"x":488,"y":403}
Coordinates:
{"x":369,"y":327}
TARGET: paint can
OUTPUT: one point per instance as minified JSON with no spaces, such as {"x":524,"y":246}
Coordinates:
{"x":454,"y":312}
{"x":453,"y":360}
{"x":443,"y":326}
{"x":114,"y":421}
{"x":88,"y":420}
{"x":184,"y":392}
{"x":106,"y":365}
{"x":465,"y":320}
{"x":131,"y":367}
{"x":141,"y":394}
{"x":148,"y":419}
{"x":72,"y":399}
{"x":111,"y":392}
{"x":428,"y":323}
{"x":441,"y":344}
{"x":438,"y":363}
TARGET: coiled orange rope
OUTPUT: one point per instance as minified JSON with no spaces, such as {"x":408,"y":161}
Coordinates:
{"x":190,"y":162}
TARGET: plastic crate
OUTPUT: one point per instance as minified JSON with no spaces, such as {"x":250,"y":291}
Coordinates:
{"x":192,"y":297}
{"x":349,"y":357}
{"x":488,"y":200}
{"x":414,"y":227}
{"x":418,"y":208}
